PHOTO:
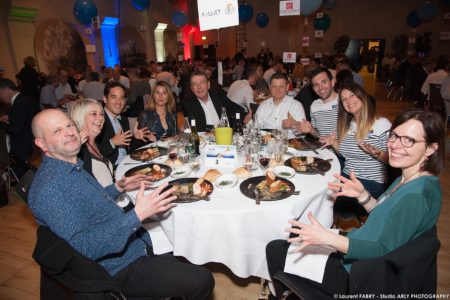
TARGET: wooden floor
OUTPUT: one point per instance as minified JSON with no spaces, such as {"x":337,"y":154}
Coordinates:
{"x":19,"y":274}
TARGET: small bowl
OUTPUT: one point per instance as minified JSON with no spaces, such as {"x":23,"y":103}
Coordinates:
{"x":284,"y":172}
{"x":291,"y":152}
{"x":226,"y":181}
{"x":181,"y":172}
{"x":160,"y":160}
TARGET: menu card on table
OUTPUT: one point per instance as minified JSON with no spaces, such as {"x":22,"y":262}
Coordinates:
{"x":220,"y":156}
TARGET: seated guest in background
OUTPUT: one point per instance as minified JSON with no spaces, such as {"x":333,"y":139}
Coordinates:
{"x":276,"y":67}
{"x":94,"y":88}
{"x":28,"y":79}
{"x":324,"y":111}
{"x":115,"y":137}
{"x":417,"y":77}
{"x":48,"y":93}
{"x":160,"y":116}
{"x":344,"y":64}
{"x":138,"y":91}
{"x":238,"y":69}
{"x":89,"y":220}
{"x":361,"y":138}
{"x":280,"y":111}
{"x":18,"y":124}
{"x":344,"y":77}
{"x":261,"y":85}
{"x":241,"y":91}
{"x":64,"y":92}
{"x":408,"y":208}
{"x":117,"y":77}
{"x":205,"y":106}
{"x":437,"y":77}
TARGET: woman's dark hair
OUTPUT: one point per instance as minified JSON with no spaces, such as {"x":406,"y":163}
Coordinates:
{"x":433,"y":126}
{"x":344,"y":77}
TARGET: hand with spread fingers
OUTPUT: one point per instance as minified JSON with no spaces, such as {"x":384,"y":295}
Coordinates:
{"x":346,"y":187}
{"x":127,"y":184}
{"x":154,"y":203}
{"x":329,"y":140}
{"x":122,"y":138}
{"x":144,"y":134}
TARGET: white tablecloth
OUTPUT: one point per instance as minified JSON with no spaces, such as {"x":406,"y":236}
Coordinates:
{"x":231,"y":229}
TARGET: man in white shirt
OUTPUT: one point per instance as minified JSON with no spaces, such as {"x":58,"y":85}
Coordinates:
{"x":436,"y":77}
{"x":241,"y":91}
{"x":94,"y":89}
{"x":64,"y":92}
{"x":324,"y":111}
{"x":119,"y":78}
{"x":280,"y":111}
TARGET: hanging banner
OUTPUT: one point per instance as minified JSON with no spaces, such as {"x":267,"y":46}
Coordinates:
{"x":217,"y":14}
{"x":289,"y":57}
{"x":290,"y":8}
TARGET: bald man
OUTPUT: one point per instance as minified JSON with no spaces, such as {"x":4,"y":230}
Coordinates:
{"x":72,"y":204}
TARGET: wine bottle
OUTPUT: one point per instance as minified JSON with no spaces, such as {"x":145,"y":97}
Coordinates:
{"x":238,"y":126}
{"x":195,"y":139}
{"x":224,"y":119}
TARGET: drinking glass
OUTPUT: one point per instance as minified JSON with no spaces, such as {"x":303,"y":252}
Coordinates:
{"x":251,"y":156}
{"x":264,"y":161}
{"x":195,"y":164}
{"x":173,"y":151}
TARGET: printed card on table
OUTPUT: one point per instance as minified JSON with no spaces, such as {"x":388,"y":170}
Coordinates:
{"x":220,"y":156}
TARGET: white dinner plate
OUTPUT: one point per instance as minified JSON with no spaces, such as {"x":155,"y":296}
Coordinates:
{"x":226,"y":181}
{"x":181,"y":172}
{"x":162,"y":144}
{"x":284,"y":172}
{"x":160,"y":160}
{"x":291,"y":152}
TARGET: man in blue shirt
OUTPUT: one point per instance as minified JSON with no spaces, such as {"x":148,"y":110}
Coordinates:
{"x":77,"y":208}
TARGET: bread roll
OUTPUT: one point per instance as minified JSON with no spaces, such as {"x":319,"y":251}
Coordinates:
{"x":212,"y":175}
{"x":270,"y":177}
{"x":242,"y":173}
{"x":275,"y":186}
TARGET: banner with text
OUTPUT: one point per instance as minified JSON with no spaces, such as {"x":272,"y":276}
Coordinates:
{"x":290,"y":8}
{"x":217,"y":14}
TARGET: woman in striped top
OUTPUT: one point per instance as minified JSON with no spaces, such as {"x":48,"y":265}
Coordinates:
{"x":361,"y":138}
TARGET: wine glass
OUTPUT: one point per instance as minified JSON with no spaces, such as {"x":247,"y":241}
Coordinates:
{"x":184,"y":156}
{"x":173,"y":151}
{"x":264,"y":161}
{"x":195,"y":164}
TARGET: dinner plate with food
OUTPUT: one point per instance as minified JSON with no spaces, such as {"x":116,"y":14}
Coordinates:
{"x":148,"y":154}
{"x":190,"y":189}
{"x":305,"y":143}
{"x":155,"y":172}
{"x":267,"y":188}
{"x":309,"y":164}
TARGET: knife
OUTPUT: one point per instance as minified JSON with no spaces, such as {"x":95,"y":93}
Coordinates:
{"x":257,"y":196}
{"x":308,"y":144}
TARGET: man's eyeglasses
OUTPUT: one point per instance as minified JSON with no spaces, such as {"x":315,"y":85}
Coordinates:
{"x":406,"y":141}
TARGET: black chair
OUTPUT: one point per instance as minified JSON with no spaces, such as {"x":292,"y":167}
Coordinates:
{"x":410,"y":269}
{"x":436,"y":103}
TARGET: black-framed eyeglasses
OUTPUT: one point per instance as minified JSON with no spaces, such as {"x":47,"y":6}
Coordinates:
{"x":405,"y":140}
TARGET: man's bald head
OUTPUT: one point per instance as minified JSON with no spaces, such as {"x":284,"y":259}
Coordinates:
{"x":39,"y":121}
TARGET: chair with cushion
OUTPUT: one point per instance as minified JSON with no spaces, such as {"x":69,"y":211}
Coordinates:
{"x":410,"y":269}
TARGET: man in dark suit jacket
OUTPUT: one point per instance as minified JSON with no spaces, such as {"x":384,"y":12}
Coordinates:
{"x":115,"y":138}
{"x":205,"y":105}
{"x":18,"y":124}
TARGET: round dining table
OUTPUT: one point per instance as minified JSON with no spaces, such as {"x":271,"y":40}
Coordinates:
{"x":231,"y":228}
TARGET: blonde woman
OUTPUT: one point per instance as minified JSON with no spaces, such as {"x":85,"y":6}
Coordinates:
{"x":160,"y":116}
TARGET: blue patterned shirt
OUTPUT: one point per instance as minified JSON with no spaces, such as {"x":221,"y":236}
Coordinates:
{"x":68,"y":200}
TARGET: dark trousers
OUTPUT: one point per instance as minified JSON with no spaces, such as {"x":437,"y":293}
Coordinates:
{"x":165,"y":276}
{"x":335,"y":279}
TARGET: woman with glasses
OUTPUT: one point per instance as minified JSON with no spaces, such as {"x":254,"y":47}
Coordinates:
{"x":408,"y":208}
{"x":160,"y":116}
{"x":361,"y":140}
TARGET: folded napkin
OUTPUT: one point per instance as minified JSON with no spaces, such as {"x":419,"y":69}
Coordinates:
{"x":310,"y":263}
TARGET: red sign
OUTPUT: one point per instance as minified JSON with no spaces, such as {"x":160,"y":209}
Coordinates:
{"x":289,"y":5}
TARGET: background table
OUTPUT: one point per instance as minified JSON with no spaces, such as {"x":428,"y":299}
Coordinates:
{"x":231,"y":229}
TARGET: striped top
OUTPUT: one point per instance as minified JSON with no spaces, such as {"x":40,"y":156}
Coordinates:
{"x":363,"y":164}
{"x":324,"y":116}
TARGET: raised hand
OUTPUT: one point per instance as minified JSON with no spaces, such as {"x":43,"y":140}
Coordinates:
{"x":122,"y":138}
{"x":83,"y":136}
{"x":154,"y":203}
{"x":329,"y":140}
{"x":144,"y":134}
{"x":304,"y":126}
{"x":132,"y":183}
{"x":347,"y":187}
{"x":312,"y":234}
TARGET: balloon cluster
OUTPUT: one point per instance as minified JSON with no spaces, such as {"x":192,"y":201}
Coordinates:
{"x":427,"y":12}
{"x":307,"y":7}
{"x":245,"y":12}
{"x":84,"y":11}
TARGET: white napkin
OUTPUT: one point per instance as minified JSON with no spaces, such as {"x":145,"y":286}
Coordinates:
{"x":310,"y":263}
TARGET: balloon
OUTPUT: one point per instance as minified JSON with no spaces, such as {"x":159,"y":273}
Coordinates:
{"x":245,"y":12}
{"x":307,"y":7}
{"x":140,"y":4}
{"x":427,"y":12}
{"x":84,"y":11}
{"x":322,"y":23}
{"x":262,"y":19}
{"x":413,"y":19}
{"x":329,"y":4}
{"x":179,"y":18}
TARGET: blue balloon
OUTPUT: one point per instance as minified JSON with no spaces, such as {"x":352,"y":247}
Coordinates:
{"x":140,"y":4}
{"x":245,"y":12}
{"x":329,"y":4}
{"x":307,"y":7}
{"x":179,"y":18}
{"x":262,"y":19}
{"x":84,"y":11}
{"x":427,"y":12}
{"x":413,"y":19}
{"x":322,"y":23}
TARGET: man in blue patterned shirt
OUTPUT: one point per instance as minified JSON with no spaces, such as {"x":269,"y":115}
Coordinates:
{"x":77,"y":208}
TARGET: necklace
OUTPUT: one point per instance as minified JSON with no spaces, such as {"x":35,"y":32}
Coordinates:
{"x":402,"y":182}
{"x":93,"y":150}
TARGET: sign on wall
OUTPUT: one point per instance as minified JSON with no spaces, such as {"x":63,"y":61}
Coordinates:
{"x":289,"y":57}
{"x":290,"y":8}
{"x":217,"y":14}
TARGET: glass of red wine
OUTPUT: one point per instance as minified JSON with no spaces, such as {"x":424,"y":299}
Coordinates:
{"x":173,"y":151}
{"x":264,"y":161}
